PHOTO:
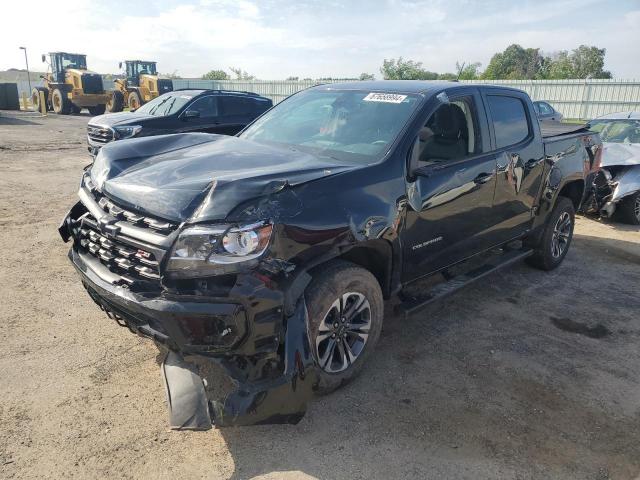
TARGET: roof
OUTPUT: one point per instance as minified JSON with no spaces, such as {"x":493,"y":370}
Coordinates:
{"x":199,"y":91}
{"x":620,"y":116}
{"x":141,"y":61}
{"x":68,"y":53}
{"x":403,"y":86}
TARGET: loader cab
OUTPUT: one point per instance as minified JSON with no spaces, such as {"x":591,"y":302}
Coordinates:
{"x":135,"y":68}
{"x":61,"y":61}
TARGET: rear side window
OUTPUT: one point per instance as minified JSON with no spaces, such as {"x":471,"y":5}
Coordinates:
{"x":237,"y":106}
{"x":509,"y":120}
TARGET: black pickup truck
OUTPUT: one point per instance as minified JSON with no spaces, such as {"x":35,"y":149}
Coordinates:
{"x":268,"y":255}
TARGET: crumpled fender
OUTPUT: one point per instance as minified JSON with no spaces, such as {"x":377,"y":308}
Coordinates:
{"x":628,"y":182}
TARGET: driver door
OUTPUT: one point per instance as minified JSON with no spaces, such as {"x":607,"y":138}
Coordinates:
{"x":450,"y":215}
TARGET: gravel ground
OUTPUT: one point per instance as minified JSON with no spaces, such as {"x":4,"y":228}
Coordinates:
{"x":525,"y":375}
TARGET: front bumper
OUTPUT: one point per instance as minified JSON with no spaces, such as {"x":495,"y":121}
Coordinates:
{"x":264,"y":353}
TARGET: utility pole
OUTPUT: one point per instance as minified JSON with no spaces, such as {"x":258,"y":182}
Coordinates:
{"x":27,"y":62}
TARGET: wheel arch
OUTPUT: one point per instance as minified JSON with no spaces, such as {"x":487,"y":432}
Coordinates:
{"x":574,"y":191}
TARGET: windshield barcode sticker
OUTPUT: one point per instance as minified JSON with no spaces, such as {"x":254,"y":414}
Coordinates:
{"x":384,"y":97}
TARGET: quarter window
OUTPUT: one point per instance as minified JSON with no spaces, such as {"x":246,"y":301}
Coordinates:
{"x":509,"y":117}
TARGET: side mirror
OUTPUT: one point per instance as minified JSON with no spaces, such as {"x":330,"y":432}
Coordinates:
{"x":44,"y":58}
{"x":120,"y":65}
{"x":191,"y":114}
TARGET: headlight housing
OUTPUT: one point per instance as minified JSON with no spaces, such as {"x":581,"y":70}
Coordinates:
{"x":208,"y":250}
{"x":128,"y":131}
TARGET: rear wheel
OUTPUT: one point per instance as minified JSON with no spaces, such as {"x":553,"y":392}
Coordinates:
{"x":628,"y":210}
{"x":116,"y":102}
{"x":134,"y":100}
{"x":35,"y":98}
{"x":75,"y":108}
{"x":345,"y":309}
{"x":553,"y":244}
{"x":97,"y":110}
{"x":60,"y":103}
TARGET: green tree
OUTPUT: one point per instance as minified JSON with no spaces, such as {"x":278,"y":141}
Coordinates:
{"x":468,"y":71}
{"x":401,"y":69}
{"x":172,"y":75}
{"x":588,"y":62}
{"x":241,"y":74}
{"x":559,"y":66}
{"x":366,"y":76}
{"x":516,"y":63}
{"x":216,"y":75}
{"x":292,"y":79}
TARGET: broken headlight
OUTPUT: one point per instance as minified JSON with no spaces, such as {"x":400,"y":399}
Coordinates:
{"x":205,"y":250}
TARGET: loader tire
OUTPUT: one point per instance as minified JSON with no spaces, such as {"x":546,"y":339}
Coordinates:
{"x":60,"y":103}
{"x":35,"y":98}
{"x":97,"y":110}
{"x":135,"y":101}
{"x":116,"y":102}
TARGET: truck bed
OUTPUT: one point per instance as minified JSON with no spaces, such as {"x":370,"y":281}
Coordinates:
{"x":556,"y":129}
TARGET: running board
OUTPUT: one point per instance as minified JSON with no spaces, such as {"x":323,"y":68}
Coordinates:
{"x":414,"y":303}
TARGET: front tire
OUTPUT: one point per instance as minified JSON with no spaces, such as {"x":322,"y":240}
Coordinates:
{"x":553,"y":244}
{"x":97,"y":110}
{"x":116,"y":102}
{"x":345,"y":309}
{"x":628,"y":210}
{"x":60,"y":103}
{"x":35,"y":98}
{"x":134,"y":100}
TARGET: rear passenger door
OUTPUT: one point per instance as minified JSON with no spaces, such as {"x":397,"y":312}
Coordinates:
{"x":515,"y":137}
{"x":236,"y":112}
{"x":208,"y":119}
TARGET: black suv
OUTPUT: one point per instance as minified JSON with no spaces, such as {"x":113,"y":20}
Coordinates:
{"x":210,"y":111}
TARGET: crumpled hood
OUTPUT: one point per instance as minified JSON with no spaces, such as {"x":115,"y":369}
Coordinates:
{"x":620,"y":154}
{"x":198,"y":176}
{"x":120,"y":118}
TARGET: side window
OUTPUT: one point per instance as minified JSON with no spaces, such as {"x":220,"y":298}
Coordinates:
{"x":451,"y":132}
{"x":509,"y":120}
{"x":260,"y":106}
{"x":536,"y":107}
{"x":207,"y":106}
{"x":237,"y":106}
{"x":546,"y":109}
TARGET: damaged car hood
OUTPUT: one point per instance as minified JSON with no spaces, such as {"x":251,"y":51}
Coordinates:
{"x":200,"y":177}
{"x":620,"y":154}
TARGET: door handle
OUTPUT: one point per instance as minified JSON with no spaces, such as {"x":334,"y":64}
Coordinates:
{"x":483,"y":178}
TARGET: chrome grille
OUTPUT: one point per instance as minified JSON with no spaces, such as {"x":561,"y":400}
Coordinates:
{"x":129,"y":262}
{"x":134,"y":218}
{"x":98,"y":134}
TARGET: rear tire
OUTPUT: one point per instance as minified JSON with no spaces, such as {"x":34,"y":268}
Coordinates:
{"x":60,"y":103}
{"x":555,"y":240}
{"x":345,"y":309}
{"x":76,"y":109}
{"x":35,"y":98}
{"x":628,"y":210}
{"x":116,"y":102}
{"x":135,"y":101}
{"x":97,"y":110}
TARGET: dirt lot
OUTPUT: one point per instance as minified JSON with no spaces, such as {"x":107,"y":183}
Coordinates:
{"x":525,"y":375}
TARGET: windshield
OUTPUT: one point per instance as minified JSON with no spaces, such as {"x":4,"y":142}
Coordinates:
{"x":141,"y":68}
{"x":166,"y":104}
{"x":346,"y":125}
{"x":617,"y":131}
{"x":74,"y":61}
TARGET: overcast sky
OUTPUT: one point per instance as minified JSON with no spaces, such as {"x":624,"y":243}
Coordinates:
{"x":274,"y":39}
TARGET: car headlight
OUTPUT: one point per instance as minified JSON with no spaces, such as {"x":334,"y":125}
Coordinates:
{"x":128,"y":131}
{"x":203,"y":250}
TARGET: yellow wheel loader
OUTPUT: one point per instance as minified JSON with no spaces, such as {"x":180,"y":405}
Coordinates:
{"x":140,"y":85}
{"x":69,"y":86}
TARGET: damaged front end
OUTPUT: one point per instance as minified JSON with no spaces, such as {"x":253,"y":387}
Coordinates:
{"x":248,"y":323}
{"x":612,"y":185}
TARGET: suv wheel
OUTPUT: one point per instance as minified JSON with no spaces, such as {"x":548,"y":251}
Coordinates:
{"x":345,"y":309}
{"x":628,"y":210}
{"x":555,"y":240}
